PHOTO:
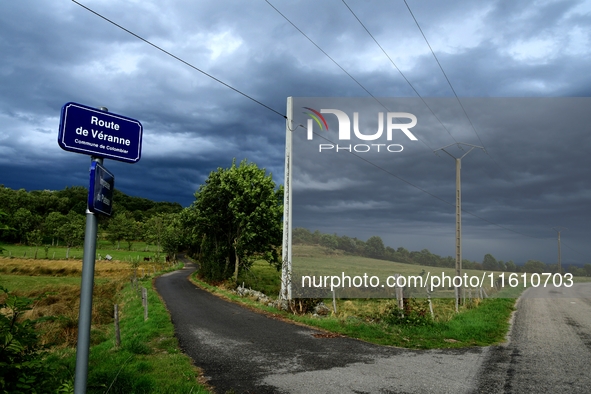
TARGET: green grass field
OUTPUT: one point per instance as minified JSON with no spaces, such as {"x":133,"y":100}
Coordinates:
{"x":139,"y":250}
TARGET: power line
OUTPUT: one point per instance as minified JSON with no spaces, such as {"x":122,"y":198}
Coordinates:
{"x":334,"y":61}
{"x":413,"y":88}
{"x":324,"y":52}
{"x":400,"y":71}
{"x":180,"y":60}
{"x":452,"y":88}
{"x":574,"y":250}
{"x":444,"y":74}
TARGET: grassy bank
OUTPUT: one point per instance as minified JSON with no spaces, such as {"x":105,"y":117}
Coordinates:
{"x":149,"y":359}
{"x":483,"y":325}
{"x":479,"y":323}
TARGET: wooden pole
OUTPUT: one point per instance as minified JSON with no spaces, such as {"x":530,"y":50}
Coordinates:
{"x":334,"y":302}
{"x":145,"y":302}
{"x":399,"y":291}
{"x":117,"y":332}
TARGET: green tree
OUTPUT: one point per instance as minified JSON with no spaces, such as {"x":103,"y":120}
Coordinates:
{"x":374,"y":247}
{"x":74,"y":199}
{"x":35,"y":238}
{"x":576,"y":271}
{"x":489,"y":263}
{"x":534,"y":266}
{"x":424,"y":257}
{"x":329,"y":241}
{"x":390,"y":253}
{"x":237,"y":216}
{"x":72,"y":231}
{"x":301,"y":236}
{"x":24,"y":221}
{"x":3,"y":226}
{"x":172,"y":236}
{"x":122,"y":227}
{"x":510,"y":266}
{"x":347,"y":244}
{"x":155,"y":230}
{"x":52,"y":224}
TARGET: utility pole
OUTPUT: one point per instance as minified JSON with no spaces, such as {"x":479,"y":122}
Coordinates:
{"x":286,"y":253}
{"x":458,"y":161}
{"x":558,"y":229}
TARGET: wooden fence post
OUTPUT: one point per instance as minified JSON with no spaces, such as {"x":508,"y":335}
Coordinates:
{"x":399,"y":291}
{"x":430,"y":303}
{"x":145,"y":302}
{"x":484,"y":290}
{"x":117,"y":332}
{"x":334,"y":302}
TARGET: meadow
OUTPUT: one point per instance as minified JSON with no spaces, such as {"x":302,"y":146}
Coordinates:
{"x":139,"y":250}
{"x":148,"y":360}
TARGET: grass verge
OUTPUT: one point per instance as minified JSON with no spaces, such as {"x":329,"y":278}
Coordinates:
{"x":481,"y":325}
{"x":149,"y":359}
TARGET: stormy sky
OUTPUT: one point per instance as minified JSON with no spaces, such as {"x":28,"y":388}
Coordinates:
{"x":519,"y":68}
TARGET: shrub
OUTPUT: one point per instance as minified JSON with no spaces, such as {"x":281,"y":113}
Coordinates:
{"x":416,"y":313}
{"x":22,"y":365}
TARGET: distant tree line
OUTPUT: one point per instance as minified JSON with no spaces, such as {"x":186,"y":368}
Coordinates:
{"x":45,"y":217}
{"x":374,"y":248}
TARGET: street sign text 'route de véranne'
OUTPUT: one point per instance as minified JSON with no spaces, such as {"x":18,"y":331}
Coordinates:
{"x":93,"y":132}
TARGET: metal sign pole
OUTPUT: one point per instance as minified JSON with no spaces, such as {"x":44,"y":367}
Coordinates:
{"x":86,"y":288}
{"x":100,"y":134}
{"x":85,"y":315}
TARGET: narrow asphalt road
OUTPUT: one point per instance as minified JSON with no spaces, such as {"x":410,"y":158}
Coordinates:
{"x":241,"y":351}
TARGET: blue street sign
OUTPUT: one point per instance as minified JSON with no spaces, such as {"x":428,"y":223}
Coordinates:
{"x":100,"y":192}
{"x":97,"y":133}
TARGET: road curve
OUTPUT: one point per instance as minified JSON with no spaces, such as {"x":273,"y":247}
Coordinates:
{"x":241,"y":351}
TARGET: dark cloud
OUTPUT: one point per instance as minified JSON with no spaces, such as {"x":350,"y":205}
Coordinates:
{"x":535,"y":175}
{"x":529,"y":179}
